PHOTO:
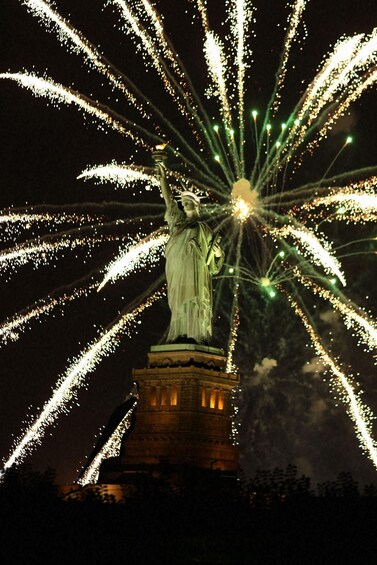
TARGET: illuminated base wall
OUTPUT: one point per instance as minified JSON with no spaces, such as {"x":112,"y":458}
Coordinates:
{"x":184,"y":410}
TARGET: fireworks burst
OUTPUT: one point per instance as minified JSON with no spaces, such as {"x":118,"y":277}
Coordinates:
{"x":272,"y":226}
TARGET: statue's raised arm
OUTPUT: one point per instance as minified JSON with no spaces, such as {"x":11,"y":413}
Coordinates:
{"x":159,"y":157}
{"x":165,"y":188}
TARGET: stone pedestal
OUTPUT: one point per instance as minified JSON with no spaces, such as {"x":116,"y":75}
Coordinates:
{"x":184,"y":410}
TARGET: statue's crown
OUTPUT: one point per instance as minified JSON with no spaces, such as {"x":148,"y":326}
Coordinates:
{"x":190,"y":195}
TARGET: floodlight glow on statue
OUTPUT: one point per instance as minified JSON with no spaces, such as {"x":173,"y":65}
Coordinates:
{"x":250,"y":186}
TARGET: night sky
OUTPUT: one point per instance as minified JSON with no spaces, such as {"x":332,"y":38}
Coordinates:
{"x":288,"y":414}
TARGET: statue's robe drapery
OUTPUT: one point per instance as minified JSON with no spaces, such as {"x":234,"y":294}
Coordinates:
{"x":189,"y":277}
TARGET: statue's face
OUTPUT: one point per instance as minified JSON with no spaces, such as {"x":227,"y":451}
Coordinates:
{"x":190,"y":207}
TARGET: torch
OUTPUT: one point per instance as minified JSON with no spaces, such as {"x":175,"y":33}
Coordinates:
{"x":159,"y":155}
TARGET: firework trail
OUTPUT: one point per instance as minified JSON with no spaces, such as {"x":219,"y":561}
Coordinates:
{"x":74,"y":378}
{"x":148,"y":250}
{"x":110,"y":449}
{"x":68,"y":35}
{"x":39,"y":252}
{"x":360,"y":414}
{"x":109,"y":443}
{"x":363,"y":326}
{"x":123,"y":176}
{"x":11,"y":328}
{"x":291,"y":35}
{"x":61,"y":94}
{"x":356,"y":203}
{"x":320,"y":252}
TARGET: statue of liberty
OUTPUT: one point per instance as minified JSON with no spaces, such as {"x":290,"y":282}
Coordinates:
{"x":193,"y":256}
